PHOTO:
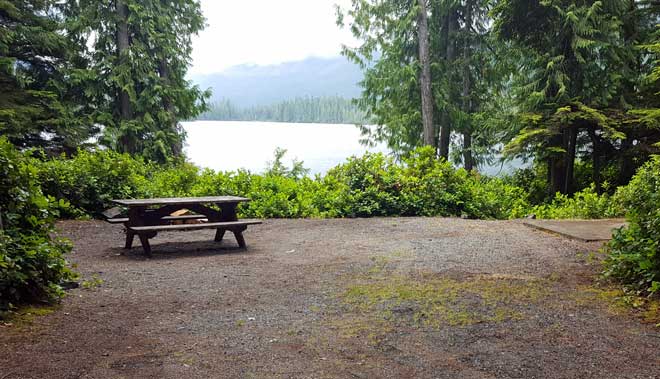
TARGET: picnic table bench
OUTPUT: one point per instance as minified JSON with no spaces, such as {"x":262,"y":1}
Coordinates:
{"x":147,"y":217}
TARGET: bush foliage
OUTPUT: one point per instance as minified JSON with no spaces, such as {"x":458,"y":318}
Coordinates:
{"x":634,"y":252}
{"x":32,"y":264}
{"x":367,"y":186}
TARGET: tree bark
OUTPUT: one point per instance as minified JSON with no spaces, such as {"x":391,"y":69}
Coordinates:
{"x":557,"y":164}
{"x":425,"y":76}
{"x":126,"y":142}
{"x":445,"y":128}
{"x":596,"y":159}
{"x":570,"y":160}
{"x":468,"y":159}
{"x":627,"y":169}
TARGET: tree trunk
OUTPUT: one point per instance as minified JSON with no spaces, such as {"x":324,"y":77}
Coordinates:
{"x":557,"y":166}
{"x":468,"y":159}
{"x":570,"y":160}
{"x":445,"y":128}
{"x":627,"y":169}
{"x":126,"y":141}
{"x":596,"y":159}
{"x":425,"y":76}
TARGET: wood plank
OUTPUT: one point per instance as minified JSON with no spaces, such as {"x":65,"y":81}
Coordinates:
{"x":180,"y":201}
{"x":112,"y":212}
{"x":207,"y":225}
{"x":117,"y":220}
{"x":121,"y":220}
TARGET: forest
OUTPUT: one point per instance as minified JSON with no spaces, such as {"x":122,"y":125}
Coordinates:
{"x":320,"y":110}
{"x":93,"y":93}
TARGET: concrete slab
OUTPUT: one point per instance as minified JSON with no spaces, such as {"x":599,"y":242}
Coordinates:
{"x":583,"y":230}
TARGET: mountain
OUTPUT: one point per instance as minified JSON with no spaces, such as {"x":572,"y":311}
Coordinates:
{"x":251,"y":85}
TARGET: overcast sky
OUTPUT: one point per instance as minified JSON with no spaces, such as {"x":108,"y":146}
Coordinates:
{"x":266,"y":32}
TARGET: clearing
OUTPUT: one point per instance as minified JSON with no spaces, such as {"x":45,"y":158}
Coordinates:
{"x":343,"y":298}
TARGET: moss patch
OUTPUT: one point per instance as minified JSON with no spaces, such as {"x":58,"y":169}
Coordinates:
{"x":434,"y":301}
{"x":26,"y":316}
{"x":620,"y":302}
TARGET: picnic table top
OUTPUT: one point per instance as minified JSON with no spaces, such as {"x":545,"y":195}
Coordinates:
{"x":180,"y":200}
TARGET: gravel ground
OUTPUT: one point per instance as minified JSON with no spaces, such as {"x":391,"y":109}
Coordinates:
{"x":345,"y":298}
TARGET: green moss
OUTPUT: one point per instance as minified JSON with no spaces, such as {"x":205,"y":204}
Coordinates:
{"x":27,"y":315}
{"x":430,"y":300}
{"x":362,"y":327}
{"x":620,"y":302}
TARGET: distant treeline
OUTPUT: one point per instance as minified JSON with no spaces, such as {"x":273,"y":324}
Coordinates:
{"x":325,"y":110}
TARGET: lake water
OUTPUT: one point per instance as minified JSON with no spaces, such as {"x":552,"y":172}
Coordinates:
{"x":229,"y":145}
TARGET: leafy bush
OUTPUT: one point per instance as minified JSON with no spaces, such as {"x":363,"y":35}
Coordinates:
{"x":533,"y":180}
{"x":634,"y":252}
{"x":362,"y":187}
{"x":31,"y":263}
{"x":371,"y":185}
{"x":432,"y":187}
{"x":586,"y":204}
{"x":91,"y":179}
{"x":494,"y":198}
{"x":175,"y":181}
{"x":374,"y":185}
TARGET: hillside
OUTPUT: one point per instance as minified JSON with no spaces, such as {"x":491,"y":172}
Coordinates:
{"x":251,"y":85}
{"x":324,"y":110}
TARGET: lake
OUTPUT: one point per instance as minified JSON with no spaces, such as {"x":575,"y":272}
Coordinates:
{"x":230,"y":145}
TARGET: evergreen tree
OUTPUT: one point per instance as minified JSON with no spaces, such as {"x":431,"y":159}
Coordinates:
{"x":139,"y":55}
{"x":577,"y":84}
{"x":39,"y":105}
{"x":462,"y":69}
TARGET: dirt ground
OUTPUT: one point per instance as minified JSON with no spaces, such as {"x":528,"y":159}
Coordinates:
{"x":346,"y":298}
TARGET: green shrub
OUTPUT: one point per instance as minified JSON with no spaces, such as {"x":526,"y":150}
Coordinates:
{"x":91,"y":179}
{"x":371,"y":185}
{"x":364,"y":186}
{"x":634,"y":252}
{"x":586,"y":204}
{"x":431,"y":187}
{"x":494,"y":198}
{"x":534,"y":182}
{"x":32,"y":265}
{"x":175,"y":181}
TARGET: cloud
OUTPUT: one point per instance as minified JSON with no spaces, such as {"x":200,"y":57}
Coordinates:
{"x":266,"y":32}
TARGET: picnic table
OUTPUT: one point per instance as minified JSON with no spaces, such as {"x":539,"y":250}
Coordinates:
{"x":147,"y":217}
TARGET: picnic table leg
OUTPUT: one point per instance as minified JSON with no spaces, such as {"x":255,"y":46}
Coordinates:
{"x":238,"y":233}
{"x":227,"y":213}
{"x":129,"y":239}
{"x":240,"y":239}
{"x":144,"y":239}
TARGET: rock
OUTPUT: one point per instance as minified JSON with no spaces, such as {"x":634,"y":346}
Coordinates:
{"x":69,"y":285}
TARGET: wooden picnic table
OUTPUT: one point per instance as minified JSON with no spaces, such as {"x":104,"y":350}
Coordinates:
{"x":146,"y":217}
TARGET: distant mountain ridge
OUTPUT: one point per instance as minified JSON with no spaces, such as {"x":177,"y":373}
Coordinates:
{"x":252,"y":85}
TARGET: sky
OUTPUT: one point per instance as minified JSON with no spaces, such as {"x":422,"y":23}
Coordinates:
{"x":266,"y":32}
